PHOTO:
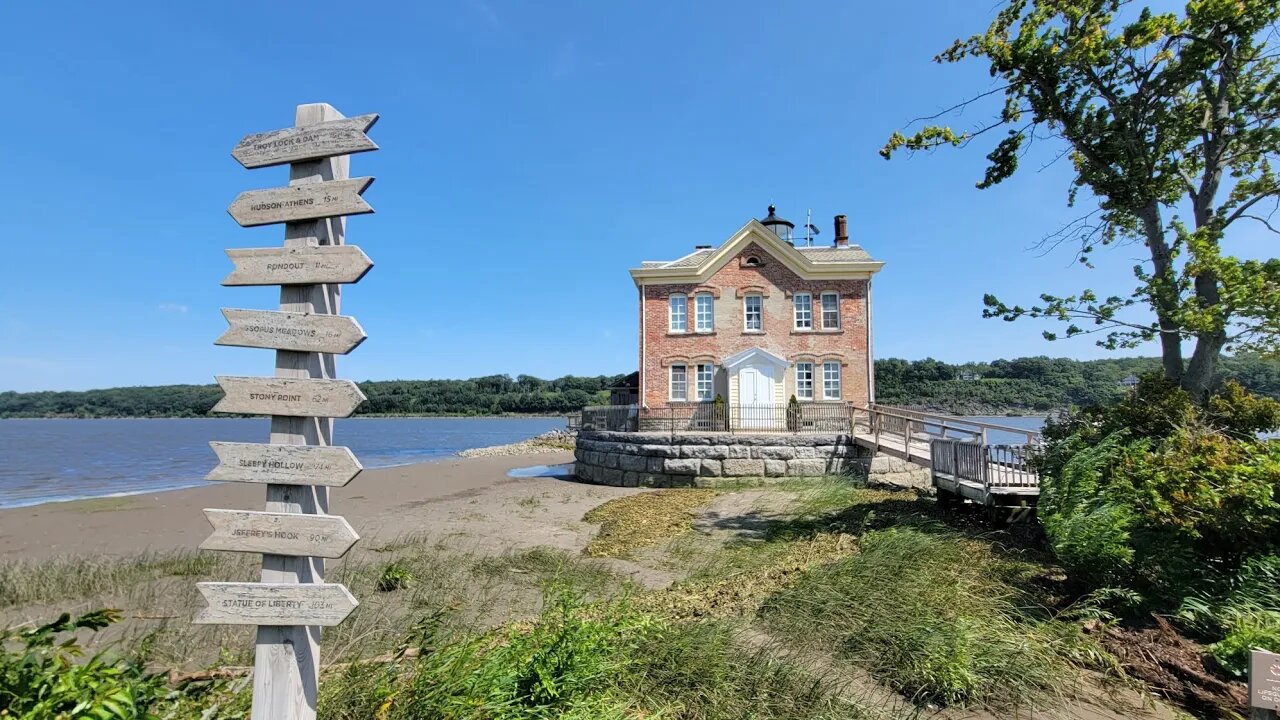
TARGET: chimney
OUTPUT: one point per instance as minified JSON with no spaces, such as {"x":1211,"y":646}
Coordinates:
{"x":842,"y":231}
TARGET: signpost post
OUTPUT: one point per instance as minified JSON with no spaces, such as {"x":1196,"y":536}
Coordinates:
{"x":295,"y":533}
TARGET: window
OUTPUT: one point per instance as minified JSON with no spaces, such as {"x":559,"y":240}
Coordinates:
{"x":804,"y":381}
{"x":752,"y":261}
{"x":706,"y":373}
{"x":804,"y":311}
{"x":703,"y":309}
{"x":831,"y":381}
{"x":753,"y":306}
{"x":678,"y":314}
{"x":830,"y":311}
{"x":679,"y":383}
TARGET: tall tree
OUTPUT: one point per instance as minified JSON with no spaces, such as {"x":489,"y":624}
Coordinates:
{"x":1161,"y":115}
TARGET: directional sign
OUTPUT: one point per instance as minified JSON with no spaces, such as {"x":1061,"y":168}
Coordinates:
{"x":230,"y":603}
{"x":298,"y":265}
{"x":284,"y":464}
{"x":301,"y":202}
{"x":302,"y":332}
{"x":327,"y":536}
{"x":298,"y":397}
{"x":311,"y":142}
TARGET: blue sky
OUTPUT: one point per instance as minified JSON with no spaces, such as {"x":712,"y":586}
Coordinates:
{"x":531,"y":153}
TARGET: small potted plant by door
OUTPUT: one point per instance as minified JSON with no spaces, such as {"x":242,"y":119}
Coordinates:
{"x":793,"y":414}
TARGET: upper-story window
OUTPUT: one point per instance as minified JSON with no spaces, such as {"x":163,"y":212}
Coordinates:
{"x":678,"y":314}
{"x":753,"y":312}
{"x":830,"y":311}
{"x":804,"y":311}
{"x":704,"y":312}
{"x":705,"y":381}
{"x":831,"y":381}
{"x":679,"y":382}
{"x":804,"y":381}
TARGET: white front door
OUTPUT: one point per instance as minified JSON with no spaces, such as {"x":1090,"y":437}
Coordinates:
{"x":755,"y":396}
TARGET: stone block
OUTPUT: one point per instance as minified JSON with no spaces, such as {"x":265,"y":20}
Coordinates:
{"x":812,"y":467}
{"x":808,"y":452}
{"x":682,"y":466}
{"x":737,"y":452}
{"x":651,"y":480}
{"x":611,"y":460}
{"x":710,"y":468}
{"x":743,"y":468}
{"x":609,"y":476}
{"x":660,"y":451}
{"x":630,"y":479}
{"x":633,"y":463}
{"x":775,"y":452}
{"x":654,"y":464}
{"x":775,"y":468}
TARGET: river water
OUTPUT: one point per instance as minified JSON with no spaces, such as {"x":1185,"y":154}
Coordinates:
{"x":55,"y":460}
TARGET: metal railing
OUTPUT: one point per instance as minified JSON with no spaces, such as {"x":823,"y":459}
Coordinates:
{"x":809,"y":417}
{"x":904,"y":422}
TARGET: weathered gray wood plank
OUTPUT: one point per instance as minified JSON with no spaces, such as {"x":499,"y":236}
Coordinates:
{"x":301,"y":332}
{"x":311,"y":142}
{"x":284,"y":464}
{"x":295,"y":203}
{"x":294,"y":397}
{"x":276,"y":604}
{"x":327,"y":536}
{"x":297,"y":265}
{"x":286,"y":673}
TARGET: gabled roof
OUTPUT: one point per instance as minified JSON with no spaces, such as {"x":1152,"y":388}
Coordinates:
{"x":807,"y":262}
{"x":754,"y":353}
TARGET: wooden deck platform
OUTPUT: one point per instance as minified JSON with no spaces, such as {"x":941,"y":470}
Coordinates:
{"x":966,"y":467}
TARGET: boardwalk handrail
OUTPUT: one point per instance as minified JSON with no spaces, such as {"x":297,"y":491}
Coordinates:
{"x":887,"y":418}
{"x":998,"y":466}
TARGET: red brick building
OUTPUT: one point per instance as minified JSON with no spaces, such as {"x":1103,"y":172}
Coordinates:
{"x":758,"y":320}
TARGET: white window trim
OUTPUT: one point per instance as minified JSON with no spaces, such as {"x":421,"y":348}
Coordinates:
{"x":711,"y":383}
{"x":711,"y":315}
{"x":745,"y":299}
{"x":823,"y":312}
{"x":671,"y":326}
{"x":839,"y":381}
{"x":671,"y":383}
{"x":795,"y":311}
{"x":809,"y":397}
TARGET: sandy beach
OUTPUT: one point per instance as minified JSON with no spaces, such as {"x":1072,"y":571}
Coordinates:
{"x":453,"y":496}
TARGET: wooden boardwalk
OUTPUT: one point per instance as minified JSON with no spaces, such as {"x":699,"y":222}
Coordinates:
{"x":961,"y":462}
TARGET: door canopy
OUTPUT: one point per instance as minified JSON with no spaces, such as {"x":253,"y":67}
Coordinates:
{"x":754,"y":356}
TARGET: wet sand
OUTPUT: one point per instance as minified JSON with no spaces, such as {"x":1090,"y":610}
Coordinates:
{"x":381,"y":504}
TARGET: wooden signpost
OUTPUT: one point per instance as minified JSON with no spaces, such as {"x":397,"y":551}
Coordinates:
{"x":295,"y":533}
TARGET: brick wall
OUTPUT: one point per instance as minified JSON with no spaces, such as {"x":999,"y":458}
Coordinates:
{"x":777,"y":283}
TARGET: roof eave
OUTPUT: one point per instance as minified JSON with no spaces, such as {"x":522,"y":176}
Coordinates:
{"x":859,"y":270}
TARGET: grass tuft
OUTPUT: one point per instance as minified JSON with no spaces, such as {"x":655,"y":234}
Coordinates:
{"x":931,"y":614}
{"x":643,"y":520}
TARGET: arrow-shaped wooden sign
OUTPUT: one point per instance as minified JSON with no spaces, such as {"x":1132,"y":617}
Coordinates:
{"x":231,"y":603}
{"x":301,"y":202}
{"x":329,"y":466}
{"x":327,"y":536}
{"x":300,"y":332}
{"x":298,"y":265}
{"x":326,"y":139}
{"x":297,"y":397}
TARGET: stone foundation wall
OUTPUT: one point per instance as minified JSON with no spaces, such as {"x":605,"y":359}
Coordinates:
{"x":700,"y":460}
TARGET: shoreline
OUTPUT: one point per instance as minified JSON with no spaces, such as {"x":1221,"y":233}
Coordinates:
{"x":382,"y":503}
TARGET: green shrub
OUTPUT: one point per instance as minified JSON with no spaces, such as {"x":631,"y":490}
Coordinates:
{"x":1158,"y":495}
{"x":1241,"y":610}
{"x":395,"y":575}
{"x":928,"y":613}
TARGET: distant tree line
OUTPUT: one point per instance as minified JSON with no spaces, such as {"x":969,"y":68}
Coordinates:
{"x":1027,"y":385}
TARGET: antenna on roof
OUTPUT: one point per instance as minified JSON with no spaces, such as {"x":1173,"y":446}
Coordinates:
{"x":809,"y":229}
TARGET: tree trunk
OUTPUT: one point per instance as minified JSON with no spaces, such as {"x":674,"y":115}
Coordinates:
{"x":1163,"y":295}
{"x":1204,"y":363}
